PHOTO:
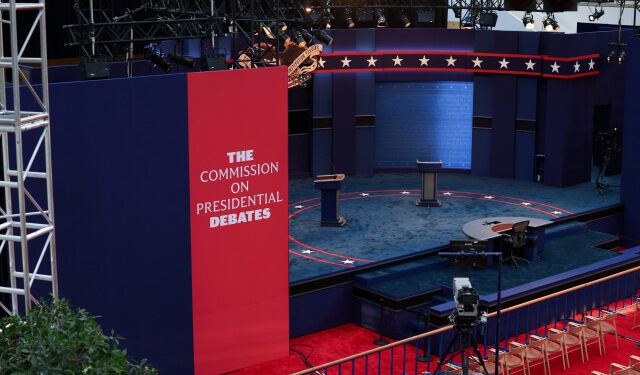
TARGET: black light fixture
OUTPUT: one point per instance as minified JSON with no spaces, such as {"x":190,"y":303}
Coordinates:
{"x":611,"y":56}
{"x":282,"y":26}
{"x":550,"y":23}
{"x":488,"y":19}
{"x":457,"y":12}
{"x":597,"y":14}
{"x":156,"y":57}
{"x":348,"y":17}
{"x":324,"y":37}
{"x":308,"y":37}
{"x":621,"y":56}
{"x":183,"y":60}
{"x":468,"y":23}
{"x":528,"y":22}
{"x":284,"y":38}
{"x":299,"y":40}
{"x":307,"y":5}
{"x":267,"y":31}
{"x":381,"y":18}
{"x":404,"y":19}
{"x":328,"y":17}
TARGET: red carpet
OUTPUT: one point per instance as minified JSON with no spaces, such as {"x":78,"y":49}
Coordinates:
{"x":349,"y":339}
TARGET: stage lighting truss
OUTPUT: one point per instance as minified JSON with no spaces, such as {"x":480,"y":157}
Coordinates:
{"x":27,"y":230}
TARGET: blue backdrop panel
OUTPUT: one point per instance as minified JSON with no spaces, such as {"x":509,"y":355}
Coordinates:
{"x":413,"y":118}
{"x":480,"y":155}
{"x":321,"y":152}
{"x":631,"y":144}
{"x":525,"y":155}
{"x":120,"y":166}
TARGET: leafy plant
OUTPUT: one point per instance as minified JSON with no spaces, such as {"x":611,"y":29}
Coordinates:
{"x":56,"y":339}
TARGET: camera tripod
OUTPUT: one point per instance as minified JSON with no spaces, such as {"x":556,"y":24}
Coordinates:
{"x":466,"y":340}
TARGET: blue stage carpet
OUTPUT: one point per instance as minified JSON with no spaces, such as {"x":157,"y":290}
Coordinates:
{"x":383,"y":222}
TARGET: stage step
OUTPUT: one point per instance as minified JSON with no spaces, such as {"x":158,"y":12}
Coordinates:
{"x":564,"y":229}
{"x":370,"y":278}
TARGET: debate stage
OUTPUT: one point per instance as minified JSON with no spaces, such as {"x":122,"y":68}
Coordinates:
{"x":388,"y":248}
{"x":384,"y":223}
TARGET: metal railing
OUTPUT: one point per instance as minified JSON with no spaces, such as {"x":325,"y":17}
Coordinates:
{"x":565,"y":304}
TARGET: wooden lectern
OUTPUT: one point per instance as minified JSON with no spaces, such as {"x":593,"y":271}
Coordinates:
{"x":329,"y":186}
{"x":429,"y":171}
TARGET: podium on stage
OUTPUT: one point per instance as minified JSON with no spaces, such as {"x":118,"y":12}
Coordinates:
{"x":429,"y":171}
{"x":329,"y":186}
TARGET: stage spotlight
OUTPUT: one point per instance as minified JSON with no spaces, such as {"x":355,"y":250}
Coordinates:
{"x":327,"y":18}
{"x":299,"y":40}
{"x":267,"y":31}
{"x":488,"y":19}
{"x":468,"y":23}
{"x":183,"y":60}
{"x":307,"y":6}
{"x":597,"y":14}
{"x":528,"y":22}
{"x":284,"y":38}
{"x":324,"y":37}
{"x":282,"y":26}
{"x":308,"y":37}
{"x":611,"y":56}
{"x":621,"y":56}
{"x":156,"y":57}
{"x":457,"y":12}
{"x":404,"y":19}
{"x":550,"y":24}
{"x":348,"y":17}
{"x":382,"y":20}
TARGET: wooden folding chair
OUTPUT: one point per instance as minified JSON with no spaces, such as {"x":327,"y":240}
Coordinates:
{"x":586,"y":333}
{"x":567,"y":340}
{"x":530,"y":353}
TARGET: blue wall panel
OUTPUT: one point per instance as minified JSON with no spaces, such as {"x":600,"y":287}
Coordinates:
{"x":631,"y":145}
{"x":413,"y":118}
{"x":525,"y":155}
{"x":123,"y":163}
{"x":321,"y":151}
{"x":365,"y":144}
{"x":480,"y":152}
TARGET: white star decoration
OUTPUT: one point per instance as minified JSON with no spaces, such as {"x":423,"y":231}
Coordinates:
{"x":555,"y":67}
{"x":364,"y":194}
{"x":347,"y":261}
{"x":451,"y":61}
{"x":372,"y":61}
{"x":556,"y":212}
{"x":345,"y":62}
{"x":307,"y":251}
{"x":447,"y":193}
{"x":576,"y":67}
{"x":591,"y":64}
{"x":477,"y":62}
{"x":530,"y":64}
{"x":424,"y":61}
{"x":397,"y":61}
{"x":504,"y":63}
{"x":321,"y":62}
{"x":488,"y":197}
{"x":525,"y":204}
{"x":298,"y":206}
{"x":405,"y":192}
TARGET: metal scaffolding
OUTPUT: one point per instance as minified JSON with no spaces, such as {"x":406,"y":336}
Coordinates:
{"x":27,"y":214}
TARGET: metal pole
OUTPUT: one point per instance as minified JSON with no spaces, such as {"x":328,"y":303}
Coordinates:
{"x":498,"y":312}
{"x":93,"y":31}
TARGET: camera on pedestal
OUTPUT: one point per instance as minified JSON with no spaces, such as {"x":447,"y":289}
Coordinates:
{"x":466,"y":315}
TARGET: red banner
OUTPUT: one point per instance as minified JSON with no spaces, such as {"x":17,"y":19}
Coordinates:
{"x":238,"y":185}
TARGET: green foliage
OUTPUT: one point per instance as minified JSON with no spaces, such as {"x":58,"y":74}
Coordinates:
{"x":56,"y":339}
